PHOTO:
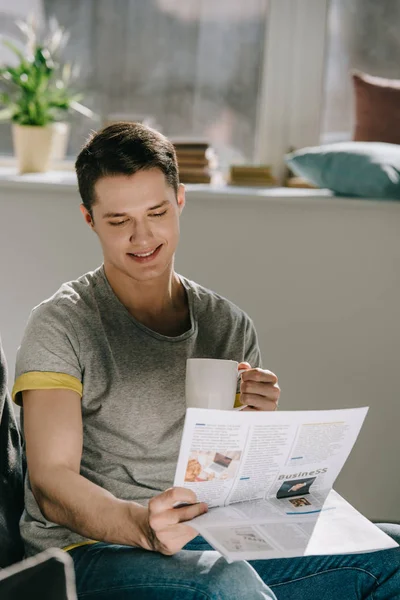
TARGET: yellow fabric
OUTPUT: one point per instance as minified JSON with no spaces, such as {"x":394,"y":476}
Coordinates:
{"x":44,"y":380}
{"x":72,"y":546}
{"x":237,"y":401}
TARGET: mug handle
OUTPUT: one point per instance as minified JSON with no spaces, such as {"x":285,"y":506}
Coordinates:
{"x":238,"y":375}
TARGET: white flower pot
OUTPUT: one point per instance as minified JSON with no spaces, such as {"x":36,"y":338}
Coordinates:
{"x":36,"y":147}
{"x":60,"y":141}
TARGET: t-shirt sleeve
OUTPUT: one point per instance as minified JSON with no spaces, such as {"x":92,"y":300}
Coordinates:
{"x":48,"y":357}
{"x":252,"y":349}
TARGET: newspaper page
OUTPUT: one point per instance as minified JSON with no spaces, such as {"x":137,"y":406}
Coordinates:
{"x":268,"y":477}
{"x":249,"y":531}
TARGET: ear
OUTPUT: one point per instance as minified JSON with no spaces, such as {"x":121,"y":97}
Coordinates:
{"x":181,"y":197}
{"x":87,"y":216}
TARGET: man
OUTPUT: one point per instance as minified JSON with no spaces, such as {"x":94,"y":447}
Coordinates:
{"x":101,"y":374}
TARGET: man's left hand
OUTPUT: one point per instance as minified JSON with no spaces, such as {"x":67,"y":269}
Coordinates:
{"x":259,"y":389}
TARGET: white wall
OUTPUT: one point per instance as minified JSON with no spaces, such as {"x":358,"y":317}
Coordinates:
{"x":320,"y":277}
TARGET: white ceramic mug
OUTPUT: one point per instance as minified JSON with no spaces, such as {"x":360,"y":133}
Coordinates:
{"x":211,"y":383}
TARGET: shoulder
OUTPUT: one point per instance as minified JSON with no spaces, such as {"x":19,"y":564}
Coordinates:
{"x":71,"y":301}
{"x":57,"y":327}
{"x":214,"y":306}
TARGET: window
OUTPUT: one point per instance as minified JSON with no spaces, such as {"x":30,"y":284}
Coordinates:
{"x":364,"y":35}
{"x":254,"y":77}
{"x":193,"y":67}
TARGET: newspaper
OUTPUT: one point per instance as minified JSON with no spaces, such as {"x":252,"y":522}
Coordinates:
{"x":267,"y":479}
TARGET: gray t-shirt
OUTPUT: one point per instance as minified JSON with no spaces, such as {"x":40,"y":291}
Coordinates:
{"x":132,"y":382}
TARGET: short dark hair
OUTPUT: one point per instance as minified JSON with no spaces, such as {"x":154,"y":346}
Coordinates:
{"x":123,"y":149}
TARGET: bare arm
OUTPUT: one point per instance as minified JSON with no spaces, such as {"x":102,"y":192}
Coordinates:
{"x":54,"y":435}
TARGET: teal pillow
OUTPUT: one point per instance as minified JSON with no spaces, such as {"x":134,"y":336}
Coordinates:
{"x":364,"y":169}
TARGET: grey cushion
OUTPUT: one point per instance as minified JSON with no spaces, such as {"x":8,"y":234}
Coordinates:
{"x":363,"y":169}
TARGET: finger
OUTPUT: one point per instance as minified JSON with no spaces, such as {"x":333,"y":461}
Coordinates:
{"x":269,"y":390}
{"x":190,"y":512}
{"x":244,"y":365}
{"x":171,"y":541}
{"x":173,"y":516}
{"x":259,"y":375}
{"x":170,"y":497}
{"x":259,"y":402}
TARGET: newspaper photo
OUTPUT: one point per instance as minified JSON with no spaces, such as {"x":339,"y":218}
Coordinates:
{"x":267,"y":479}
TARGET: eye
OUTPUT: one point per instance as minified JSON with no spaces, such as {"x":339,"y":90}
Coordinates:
{"x":159,"y":214}
{"x":116,"y":224}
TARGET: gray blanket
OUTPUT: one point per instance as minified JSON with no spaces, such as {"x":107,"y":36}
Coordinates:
{"x":11,"y":475}
{"x":48,"y":576}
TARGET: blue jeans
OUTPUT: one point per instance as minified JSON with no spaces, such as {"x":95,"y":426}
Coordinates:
{"x":112,"y":572}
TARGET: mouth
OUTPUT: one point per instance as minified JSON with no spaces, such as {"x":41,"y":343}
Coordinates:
{"x":147,"y":256}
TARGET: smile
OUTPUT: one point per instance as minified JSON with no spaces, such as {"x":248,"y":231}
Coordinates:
{"x":145,"y":256}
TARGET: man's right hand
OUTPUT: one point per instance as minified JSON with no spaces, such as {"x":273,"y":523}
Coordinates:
{"x":163,"y":527}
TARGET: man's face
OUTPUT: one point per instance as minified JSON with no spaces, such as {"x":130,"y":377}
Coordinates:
{"x":136,"y":218}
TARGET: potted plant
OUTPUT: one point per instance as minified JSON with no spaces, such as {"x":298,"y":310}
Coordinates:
{"x":35,"y":94}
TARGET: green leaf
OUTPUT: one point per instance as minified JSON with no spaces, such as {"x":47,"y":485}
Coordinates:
{"x":11,"y":74}
{"x":14,"y":48}
{"x":66,"y":73}
{"x":5,"y":98}
{"x":6,"y":113}
{"x":83,"y":110}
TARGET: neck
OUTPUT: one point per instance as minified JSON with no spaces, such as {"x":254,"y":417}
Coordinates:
{"x":152,"y":298}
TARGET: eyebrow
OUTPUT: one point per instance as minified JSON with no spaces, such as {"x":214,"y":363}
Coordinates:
{"x":111,"y":215}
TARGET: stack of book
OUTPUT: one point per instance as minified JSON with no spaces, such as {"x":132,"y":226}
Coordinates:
{"x":196,"y":160}
{"x":299,"y":182}
{"x":251,"y":175}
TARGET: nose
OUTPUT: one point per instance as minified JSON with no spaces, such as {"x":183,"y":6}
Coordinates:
{"x":141,"y":232}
